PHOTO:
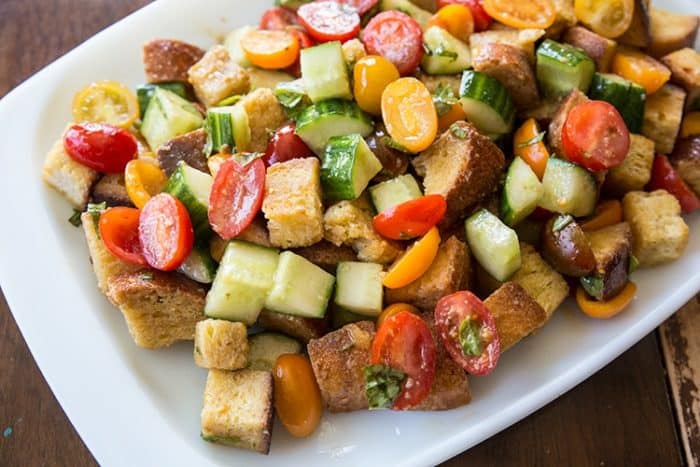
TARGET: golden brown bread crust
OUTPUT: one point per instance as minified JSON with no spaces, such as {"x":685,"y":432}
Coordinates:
{"x":611,"y":248}
{"x":188,"y":148}
{"x":686,"y":160}
{"x":574,"y":98}
{"x":510,"y":66}
{"x":327,"y":255}
{"x":516,"y":313}
{"x":671,"y":31}
{"x":303,"y":329}
{"x":599,"y":48}
{"x":168,"y":60}
{"x":639,"y":32}
{"x":111,"y":189}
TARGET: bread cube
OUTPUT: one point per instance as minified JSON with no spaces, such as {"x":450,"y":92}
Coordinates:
{"x":299,"y":327}
{"x":510,"y":66}
{"x":220,"y":344}
{"x":167,"y":60}
{"x":671,"y":31}
{"x":611,"y":247}
{"x":216,"y":76}
{"x":685,"y":72}
{"x":516,"y":313}
{"x":111,"y":189}
{"x":540,"y":280}
{"x":599,"y":48}
{"x":188,"y":148}
{"x":327,"y":255}
{"x":70,"y":178}
{"x":686,"y":160}
{"x":523,"y":39}
{"x":556,"y":126}
{"x":662,"y":117}
{"x":353,"y":50}
{"x":433,"y":82}
{"x":265,"y":114}
{"x":635,"y":171}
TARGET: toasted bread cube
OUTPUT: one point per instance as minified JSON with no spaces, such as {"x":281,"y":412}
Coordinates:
{"x":256,"y":233}
{"x":685,"y":71}
{"x":599,"y":48}
{"x":516,"y":313}
{"x":659,"y":233}
{"x":556,"y":126}
{"x":160,"y":308}
{"x":464,"y":170}
{"x":686,"y":160}
{"x":663,"y":114}
{"x":433,"y":82}
{"x":635,"y":171}
{"x":299,"y":327}
{"x":188,"y":148}
{"x":220,"y":344}
{"x":540,"y":280}
{"x":564,"y":18}
{"x":638,"y":34}
{"x":449,"y":273}
{"x":612,"y":247}
{"x":169,"y":60}
{"x":671,"y":31}
{"x":523,"y":39}
{"x":67,"y":176}
{"x":265,"y":114}
{"x":292,"y":204}
{"x":510,"y":66}
{"x":353,"y":50}
{"x":327,"y":255}
{"x":216,"y":76}
{"x":111,"y":189}
{"x":350,"y":223}
{"x":238,"y":409}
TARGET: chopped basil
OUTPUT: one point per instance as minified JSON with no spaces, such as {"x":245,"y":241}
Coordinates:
{"x":229,"y":101}
{"x":382,"y":385}
{"x":95,"y":210}
{"x":444,"y":99}
{"x":470,"y":338}
{"x":534,"y":140}
{"x":75,"y":218}
{"x":393,"y":144}
{"x":440,"y":51}
{"x":146,"y":276}
{"x":593,"y":285}
{"x":560,"y":222}
{"x":292,"y":96}
{"x":634,"y":264}
{"x":458,"y":131}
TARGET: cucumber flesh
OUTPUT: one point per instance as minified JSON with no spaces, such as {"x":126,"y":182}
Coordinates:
{"x":320,"y":122}
{"x":562,"y":68}
{"x":494,"y":245}
{"x":568,"y":189}
{"x":325,"y":73}
{"x":521,"y":192}
{"x":393,"y":192}
{"x":167,"y":116}
{"x":145,"y":93}
{"x":421,"y":16}
{"x":348,"y":166}
{"x":264,"y":348}
{"x":487,"y":103}
{"x":192,"y":187}
{"x":199,"y":265}
{"x":260,"y":78}
{"x":359,"y":288}
{"x":232,"y":42}
{"x":444,"y":53}
{"x":228,"y":129}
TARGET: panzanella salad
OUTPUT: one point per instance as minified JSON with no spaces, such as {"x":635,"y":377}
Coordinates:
{"x":359,"y":204}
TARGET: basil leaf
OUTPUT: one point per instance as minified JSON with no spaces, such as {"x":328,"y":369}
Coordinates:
{"x":444,"y":99}
{"x":95,"y":210}
{"x":229,"y":101}
{"x":292,"y":96}
{"x":393,"y":144}
{"x":534,"y":140}
{"x":382,"y":385}
{"x":634,"y":264}
{"x":458,"y":131}
{"x":75,"y":218}
{"x":560,"y":222}
{"x":470,"y":338}
{"x":440,"y":51}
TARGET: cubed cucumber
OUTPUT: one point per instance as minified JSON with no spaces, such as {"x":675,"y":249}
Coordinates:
{"x":359,"y":288}
{"x":320,"y":122}
{"x":562,"y":68}
{"x":167,"y":116}
{"x":494,"y":245}
{"x":521,"y":192}
{"x":627,"y":97}
{"x":405,"y":6}
{"x":393,"y":192}
{"x":232,"y":42}
{"x":228,"y":128}
{"x":300,"y":287}
{"x":292,"y":96}
{"x":260,"y":78}
{"x":348,"y":166}
{"x":325,"y":73}
{"x":192,"y":187}
{"x":487,"y":103}
{"x":244,"y":279}
{"x":568,"y":188}
{"x":145,"y":92}
{"x":199,"y":265}
{"x":444,"y":53}
{"x":264,"y":348}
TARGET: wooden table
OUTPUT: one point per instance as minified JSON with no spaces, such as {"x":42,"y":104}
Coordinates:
{"x":638,"y":411}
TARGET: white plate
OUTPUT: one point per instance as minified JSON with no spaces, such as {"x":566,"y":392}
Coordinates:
{"x":138,"y":407}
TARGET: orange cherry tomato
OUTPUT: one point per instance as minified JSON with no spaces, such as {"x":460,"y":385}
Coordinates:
{"x":641,"y":69}
{"x":537,"y":14}
{"x":394,"y":309}
{"x":372,"y":74}
{"x":271,"y":49}
{"x":297,"y":396}
{"x":606,"y":213}
{"x":165,"y":232}
{"x":456,"y":19}
{"x":605,"y":310}
{"x":455,"y":114}
{"x":119,"y":231}
{"x":411,"y":219}
{"x":409,"y":114}
{"x":527,"y":147}
{"x":413,"y":264}
{"x":143,"y":180}
{"x":609,"y":18}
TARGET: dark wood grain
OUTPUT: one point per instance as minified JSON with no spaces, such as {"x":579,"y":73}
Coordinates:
{"x":621,"y":416}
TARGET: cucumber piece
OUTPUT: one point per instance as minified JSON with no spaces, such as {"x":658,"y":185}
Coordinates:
{"x":228,"y":129}
{"x":144,"y":93}
{"x":192,"y":187}
{"x":325,"y":73}
{"x":347,"y":167}
{"x":232,"y":42}
{"x":494,"y":245}
{"x":568,"y":188}
{"x":264,"y":348}
{"x":444,"y":53}
{"x":359,"y":288}
{"x":335,"y":117}
{"x":260,"y":78}
{"x":627,"y":97}
{"x":393,"y":192}
{"x":405,"y":6}
{"x":521,"y":192}
{"x":487,"y":103}
{"x":242,"y":282}
{"x":300,"y":287}
{"x":292,"y":96}
{"x":562,"y":68}
{"x":167,"y":116}
{"x":199,"y":265}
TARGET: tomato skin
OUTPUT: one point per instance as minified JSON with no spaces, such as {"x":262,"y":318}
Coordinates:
{"x":595,"y":136}
{"x":285,"y":145}
{"x":404,"y":342}
{"x":277,"y":19}
{"x":271,"y":50}
{"x":411,"y":219}
{"x":395,"y":309}
{"x":143,"y":179}
{"x":450,"y":312}
{"x":396,"y":37}
{"x":165,"y":232}
{"x":482,"y":20}
{"x":328,"y":21}
{"x":119,"y":231}
{"x":101,"y":147}
{"x":371,"y":75}
{"x":297,"y":396}
{"x":665,"y":177}
{"x":236,"y":197}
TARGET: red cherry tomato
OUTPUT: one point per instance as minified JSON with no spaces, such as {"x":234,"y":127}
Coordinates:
{"x":468,"y":332}
{"x":482,"y":20}
{"x":396,"y":37}
{"x":236,"y":197}
{"x":595,"y":136}
{"x":403,"y":342}
{"x":665,"y":177}
{"x":285,"y":145}
{"x":411,"y":219}
{"x":277,"y":19}
{"x":362,"y":6}
{"x":329,"y":20}
{"x":119,"y":231}
{"x":165,"y":232}
{"x":104,"y":148}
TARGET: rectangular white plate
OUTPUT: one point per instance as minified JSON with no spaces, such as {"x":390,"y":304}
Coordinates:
{"x":138,"y":407}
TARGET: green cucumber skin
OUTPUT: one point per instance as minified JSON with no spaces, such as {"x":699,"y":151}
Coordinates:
{"x":627,"y":97}
{"x":562,"y":67}
{"x":219,"y":127}
{"x":489,"y":91}
{"x":177,"y":186}
{"x":521,"y":187}
{"x":348,"y":114}
{"x":337,"y":168}
{"x":199,"y":265}
{"x":145,"y":92}
{"x":167,"y":116}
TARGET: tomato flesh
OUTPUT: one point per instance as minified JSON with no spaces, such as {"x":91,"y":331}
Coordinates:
{"x":236,"y":197}
{"x":119,"y":231}
{"x":404,"y":343}
{"x":165,"y":232}
{"x":468,"y":332}
{"x":482,"y":20}
{"x":297,"y":396}
{"x":101,"y":147}
{"x":665,"y":177}
{"x":277,"y":19}
{"x":329,"y":20}
{"x":362,"y":6}
{"x":285,"y":145}
{"x":595,"y":136}
{"x":396,"y":37}
{"x":411,"y":219}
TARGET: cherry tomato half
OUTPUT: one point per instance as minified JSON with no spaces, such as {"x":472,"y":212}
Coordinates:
{"x":371,"y":75}
{"x":482,"y":20}
{"x":411,"y":219}
{"x":395,"y":309}
{"x":409,"y":114}
{"x":456,"y":19}
{"x":165,"y":232}
{"x":468,"y":332}
{"x":665,"y":177}
{"x":285,"y":145}
{"x":362,"y":6}
{"x":522,"y":15}
{"x":277,"y":19}
{"x":595,"y":136}
{"x":101,"y":147}
{"x":271,"y":49}
{"x":404,"y":343}
{"x":396,"y":37}
{"x":329,"y":20}
{"x":119,"y":231}
{"x":297,"y":396}
{"x":236,"y":197}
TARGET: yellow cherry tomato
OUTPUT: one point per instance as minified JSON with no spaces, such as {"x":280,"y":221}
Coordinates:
{"x":297,"y":396}
{"x":270,"y":49}
{"x":413,"y":264}
{"x":609,"y":18}
{"x":537,"y":14}
{"x":371,"y":75}
{"x":409,"y":114}
{"x":456,"y":19}
{"x":691,"y":125}
{"x":605,"y":310}
{"x":396,"y":308}
{"x":108,"y":102}
{"x":143,"y":180}
{"x":641,"y":69}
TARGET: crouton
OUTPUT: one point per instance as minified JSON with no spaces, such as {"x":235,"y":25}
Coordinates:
{"x":663,"y":114}
{"x":509,"y":65}
{"x":292,"y":204}
{"x":599,"y":48}
{"x":256,"y":233}
{"x":540,"y":280}
{"x":516,"y":314}
{"x":564,"y":18}
{"x":433,"y":82}
{"x":574,"y":98}
{"x":523,"y":39}
{"x":544,"y":111}
{"x":168,"y":60}
{"x":220,"y":344}
{"x":635,"y":171}
{"x":327,"y":255}
{"x":67,"y":176}
{"x":301,"y":328}
{"x":464,"y":166}
{"x":353,"y":50}
{"x":659,"y":233}
{"x":188,"y":148}
{"x":160,"y":308}
{"x":671,"y":31}
{"x":110,"y":189}
{"x":350,"y":223}
{"x":265,"y":114}
{"x":265,"y":347}
{"x":338,"y":360}
{"x":238,"y":409}
{"x":611,"y":248}
{"x":216,"y":76}
{"x":686,"y":160}
{"x":639,"y":32}
{"x":427,"y":5}
{"x":449,"y":273}
{"x":685,"y":72}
